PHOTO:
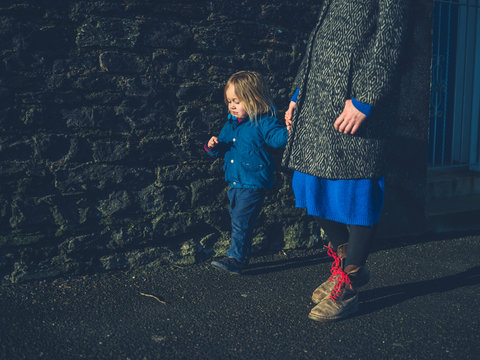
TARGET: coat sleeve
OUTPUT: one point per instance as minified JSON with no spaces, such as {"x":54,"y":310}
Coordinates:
{"x":376,"y":65}
{"x":275,"y":134}
{"x":223,"y":144}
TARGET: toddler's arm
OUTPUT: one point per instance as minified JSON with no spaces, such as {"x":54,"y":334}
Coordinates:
{"x":215,"y":147}
{"x":212,"y":142}
{"x":218,"y":146}
{"x":210,"y":145}
{"x":274,"y":133}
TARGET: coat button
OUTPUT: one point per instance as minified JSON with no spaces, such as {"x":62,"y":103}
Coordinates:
{"x":234,"y":183}
{"x":231,"y":161}
{"x":234,"y":139}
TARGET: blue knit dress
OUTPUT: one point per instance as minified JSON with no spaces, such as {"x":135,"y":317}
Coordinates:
{"x":352,"y":202}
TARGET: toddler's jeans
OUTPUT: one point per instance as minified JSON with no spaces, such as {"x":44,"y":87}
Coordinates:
{"x":245,"y":205}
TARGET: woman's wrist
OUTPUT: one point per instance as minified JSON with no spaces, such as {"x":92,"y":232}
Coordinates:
{"x":295,"y":95}
{"x":364,"y":108}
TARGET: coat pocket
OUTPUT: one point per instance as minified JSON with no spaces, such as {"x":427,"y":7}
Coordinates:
{"x":252,"y":166}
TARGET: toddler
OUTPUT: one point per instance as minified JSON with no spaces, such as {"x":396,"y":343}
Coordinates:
{"x":245,"y":141}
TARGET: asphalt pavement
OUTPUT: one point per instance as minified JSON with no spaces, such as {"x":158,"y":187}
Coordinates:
{"x":421,"y":303}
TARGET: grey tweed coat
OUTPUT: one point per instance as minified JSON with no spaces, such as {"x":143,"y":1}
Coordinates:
{"x":352,"y":52}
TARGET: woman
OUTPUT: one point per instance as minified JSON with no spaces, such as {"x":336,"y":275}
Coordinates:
{"x":337,"y":120}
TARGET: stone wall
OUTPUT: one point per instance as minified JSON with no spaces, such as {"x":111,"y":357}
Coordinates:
{"x":104,"y":109}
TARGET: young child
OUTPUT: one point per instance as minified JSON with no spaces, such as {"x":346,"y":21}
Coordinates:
{"x":244,"y":141}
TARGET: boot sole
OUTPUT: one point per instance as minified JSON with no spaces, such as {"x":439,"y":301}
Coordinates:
{"x":220,"y":266}
{"x":345,"y":314}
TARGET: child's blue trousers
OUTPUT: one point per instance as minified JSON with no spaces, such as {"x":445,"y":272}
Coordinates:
{"x":245,"y":205}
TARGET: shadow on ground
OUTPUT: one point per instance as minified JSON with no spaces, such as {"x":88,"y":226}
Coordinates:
{"x":314,"y":256}
{"x":376,"y":299}
{"x":287,"y":264}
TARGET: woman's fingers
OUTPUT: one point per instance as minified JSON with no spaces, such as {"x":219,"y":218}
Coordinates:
{"x":355,"y":128}
{"x":288,"y":116}
{"x":338,"y":123}
{"x":349,"y":120}
{"x":348,"y":127}
{"x":289,"y":112}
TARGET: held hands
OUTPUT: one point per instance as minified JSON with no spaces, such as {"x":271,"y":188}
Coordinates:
{"x":213,"y":142}
{"x":350,"y":119}
{"x":289,"y":114}
{"x":348,"y":122}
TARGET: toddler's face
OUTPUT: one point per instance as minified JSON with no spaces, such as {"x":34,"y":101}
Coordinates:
{"x":235,"y":106}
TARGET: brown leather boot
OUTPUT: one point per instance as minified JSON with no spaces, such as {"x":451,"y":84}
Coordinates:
{"x":342,"y":301}
{"x":359,"y":275}
{"x":326,"y":287}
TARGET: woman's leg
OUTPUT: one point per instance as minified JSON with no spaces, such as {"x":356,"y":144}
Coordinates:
{"x":338,"y":296}
{"x":359,"y":245}
{"x":359,"y":239}
{"x":337,"y":233}
{"x":351,"y":247}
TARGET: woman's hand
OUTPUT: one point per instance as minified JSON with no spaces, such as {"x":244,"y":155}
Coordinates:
{"x":289,"y":114}
{"x":212,"y":142}
{"x":350,"y":119}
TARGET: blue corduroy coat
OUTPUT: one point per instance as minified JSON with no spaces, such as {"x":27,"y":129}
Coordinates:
{"x":246,"y":147}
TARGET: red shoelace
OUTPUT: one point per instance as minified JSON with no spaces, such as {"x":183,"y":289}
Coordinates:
{"x":338,"y":275}
{"x":336,"y":263}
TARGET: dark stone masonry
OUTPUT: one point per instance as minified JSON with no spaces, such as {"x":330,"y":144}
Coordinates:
{"x":104,"y":109}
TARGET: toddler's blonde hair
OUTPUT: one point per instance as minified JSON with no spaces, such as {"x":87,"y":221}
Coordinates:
{"x":252,"y":91}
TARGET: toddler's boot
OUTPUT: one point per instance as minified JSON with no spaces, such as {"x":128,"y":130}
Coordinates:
{"x":229,"y":264}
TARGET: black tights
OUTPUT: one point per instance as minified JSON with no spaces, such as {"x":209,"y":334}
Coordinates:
{"x":359,"y":239}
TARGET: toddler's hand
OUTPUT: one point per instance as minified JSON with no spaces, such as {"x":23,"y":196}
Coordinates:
{"x":289,"y":114}
{"x":212,"y":142}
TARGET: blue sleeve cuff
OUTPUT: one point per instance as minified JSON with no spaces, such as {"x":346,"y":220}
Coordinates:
{"x":362,"y":107}
{"x":295,"y":96}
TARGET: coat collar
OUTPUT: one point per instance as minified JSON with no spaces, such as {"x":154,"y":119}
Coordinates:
{"x":234,"y":120}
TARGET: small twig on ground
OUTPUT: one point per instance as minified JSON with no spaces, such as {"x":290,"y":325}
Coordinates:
{"x":153,"y":296}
